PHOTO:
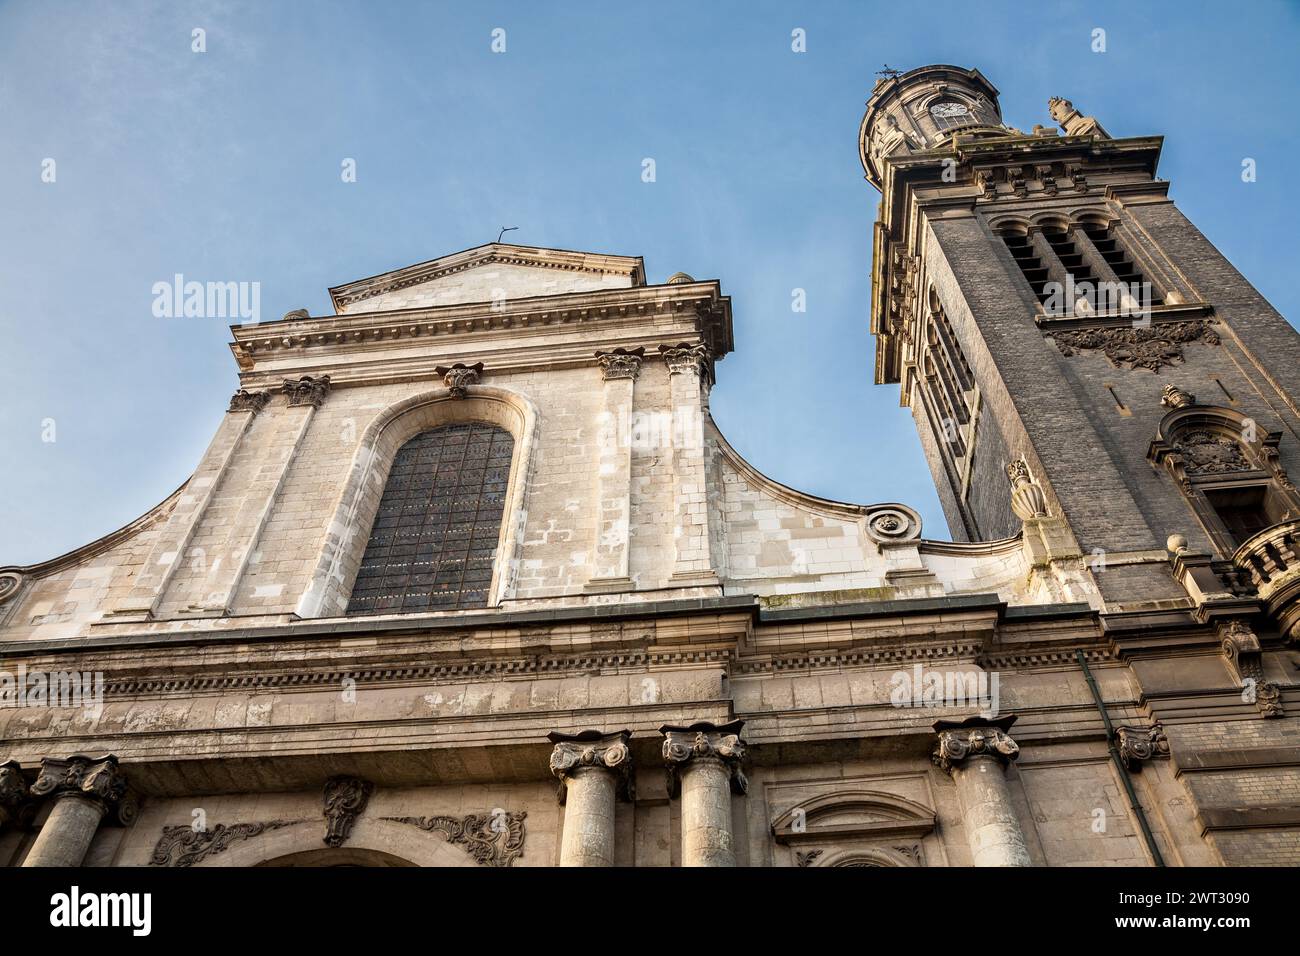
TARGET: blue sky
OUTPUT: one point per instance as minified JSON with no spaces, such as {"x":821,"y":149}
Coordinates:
{"x":225,"y":166}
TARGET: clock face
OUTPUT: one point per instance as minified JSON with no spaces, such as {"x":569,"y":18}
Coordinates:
{"x":944,"y":110}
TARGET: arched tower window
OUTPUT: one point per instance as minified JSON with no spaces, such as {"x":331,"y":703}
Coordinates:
{"x":1227,"y":467}
{"x":435,"y":535}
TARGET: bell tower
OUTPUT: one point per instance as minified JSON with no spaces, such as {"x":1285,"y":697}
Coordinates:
{"x":1069,"y":343}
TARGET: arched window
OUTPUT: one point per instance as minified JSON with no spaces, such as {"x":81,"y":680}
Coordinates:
{"x":435,"y":535}
{"x":1227,"y":467}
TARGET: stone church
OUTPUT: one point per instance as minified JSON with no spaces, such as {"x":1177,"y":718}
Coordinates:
{"x":468,"y":575}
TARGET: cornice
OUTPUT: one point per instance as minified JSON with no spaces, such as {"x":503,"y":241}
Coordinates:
{"x":514,"y":317}
{"x":492,"y":253}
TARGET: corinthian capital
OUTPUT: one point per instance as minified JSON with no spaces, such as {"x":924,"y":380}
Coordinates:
{"x":705,"y":741}
{"x":621,"y":363}
{"x":592,"y":750}
{"x":97,"y":778}
{"x":685,"y":359}
{"x":307,"y":390}
{"x":246,"y":401}
{"x":974,"y":737}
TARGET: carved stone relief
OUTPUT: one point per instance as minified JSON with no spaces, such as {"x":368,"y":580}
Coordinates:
{"x":345,"y":799}
{"x":185,"y":846}
{"x":492,"y":839}
{"x":459,"y":377}
{"x":1150,"y":348}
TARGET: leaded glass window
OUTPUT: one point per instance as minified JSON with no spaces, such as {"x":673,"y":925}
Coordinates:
{"x":435,"y":535}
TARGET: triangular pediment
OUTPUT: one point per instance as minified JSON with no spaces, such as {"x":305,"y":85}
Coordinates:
{"x":495,"y":271}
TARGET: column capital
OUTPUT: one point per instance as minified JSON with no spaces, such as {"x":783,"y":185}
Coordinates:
{"x":974,"y":737}
{"x":246,"y":401}
{"x":704,"y":741}
{"x":307,"y":390}
{"x":685,"y":359}
{"x":99,"y":779}
{"x":592,"y":750}
{"x":621,"y":363}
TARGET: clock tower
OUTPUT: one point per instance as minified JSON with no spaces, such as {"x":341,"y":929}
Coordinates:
{"x":1046,"y":308}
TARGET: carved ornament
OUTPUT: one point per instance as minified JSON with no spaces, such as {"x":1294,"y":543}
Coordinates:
{"x":1151,"y":348}
{"x":704,"y":741}
{"x":345,"y":799}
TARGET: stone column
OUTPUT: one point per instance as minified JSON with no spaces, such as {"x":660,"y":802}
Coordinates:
{"x":976,"y":753}
{"x":704,"y":767}
{"x":594,"y":768}
{"x":83,"y":789}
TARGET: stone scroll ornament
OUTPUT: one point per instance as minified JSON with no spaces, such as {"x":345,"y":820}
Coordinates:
{"x":307,"y":390}
{"x":99,"y":778}
{"x":185,"y":846}
{"x":492,"y":839}
{"x":1151,"y":348}
{"x":459,"y":377}
{"x":592,"y":749}
{"x":345,"y":799}
{"x":1140,"y":744}
{"x":704,"y":741}
{"x":1244,"y":654}
{"x":974,"y":737}
{"x":1027,"y":498}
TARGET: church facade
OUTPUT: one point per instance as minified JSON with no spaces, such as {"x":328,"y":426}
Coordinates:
{"x":468,"y":574}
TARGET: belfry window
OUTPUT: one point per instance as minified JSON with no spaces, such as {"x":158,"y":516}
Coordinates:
{"x":433,"y":543}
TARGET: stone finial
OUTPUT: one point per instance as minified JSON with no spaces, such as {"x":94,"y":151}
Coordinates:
{"x":1072,"y":121}
{"x":296,"y":314}
{"x":704,"y":741}
{"x":459,"y":377}
{"x":307,"y":390}
{"x":974,"y":737}
{"x":345,"y":798}
{"x":246,"y":401}
{"x":1027,"y":498}
{"x":1171,"y":396}
{"x":685,"y":359}
{"x":1139,"y":744}
{"x":98,"y":778}
{"x":621,"y":363}
{"x":1177,"y":544}
{"x":592,"y":749}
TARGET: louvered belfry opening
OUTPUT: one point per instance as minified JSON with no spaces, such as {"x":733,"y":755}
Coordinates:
{"x":435,"y":535}
{"x":1120,"y":264}
{"x":1035,"y":271}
